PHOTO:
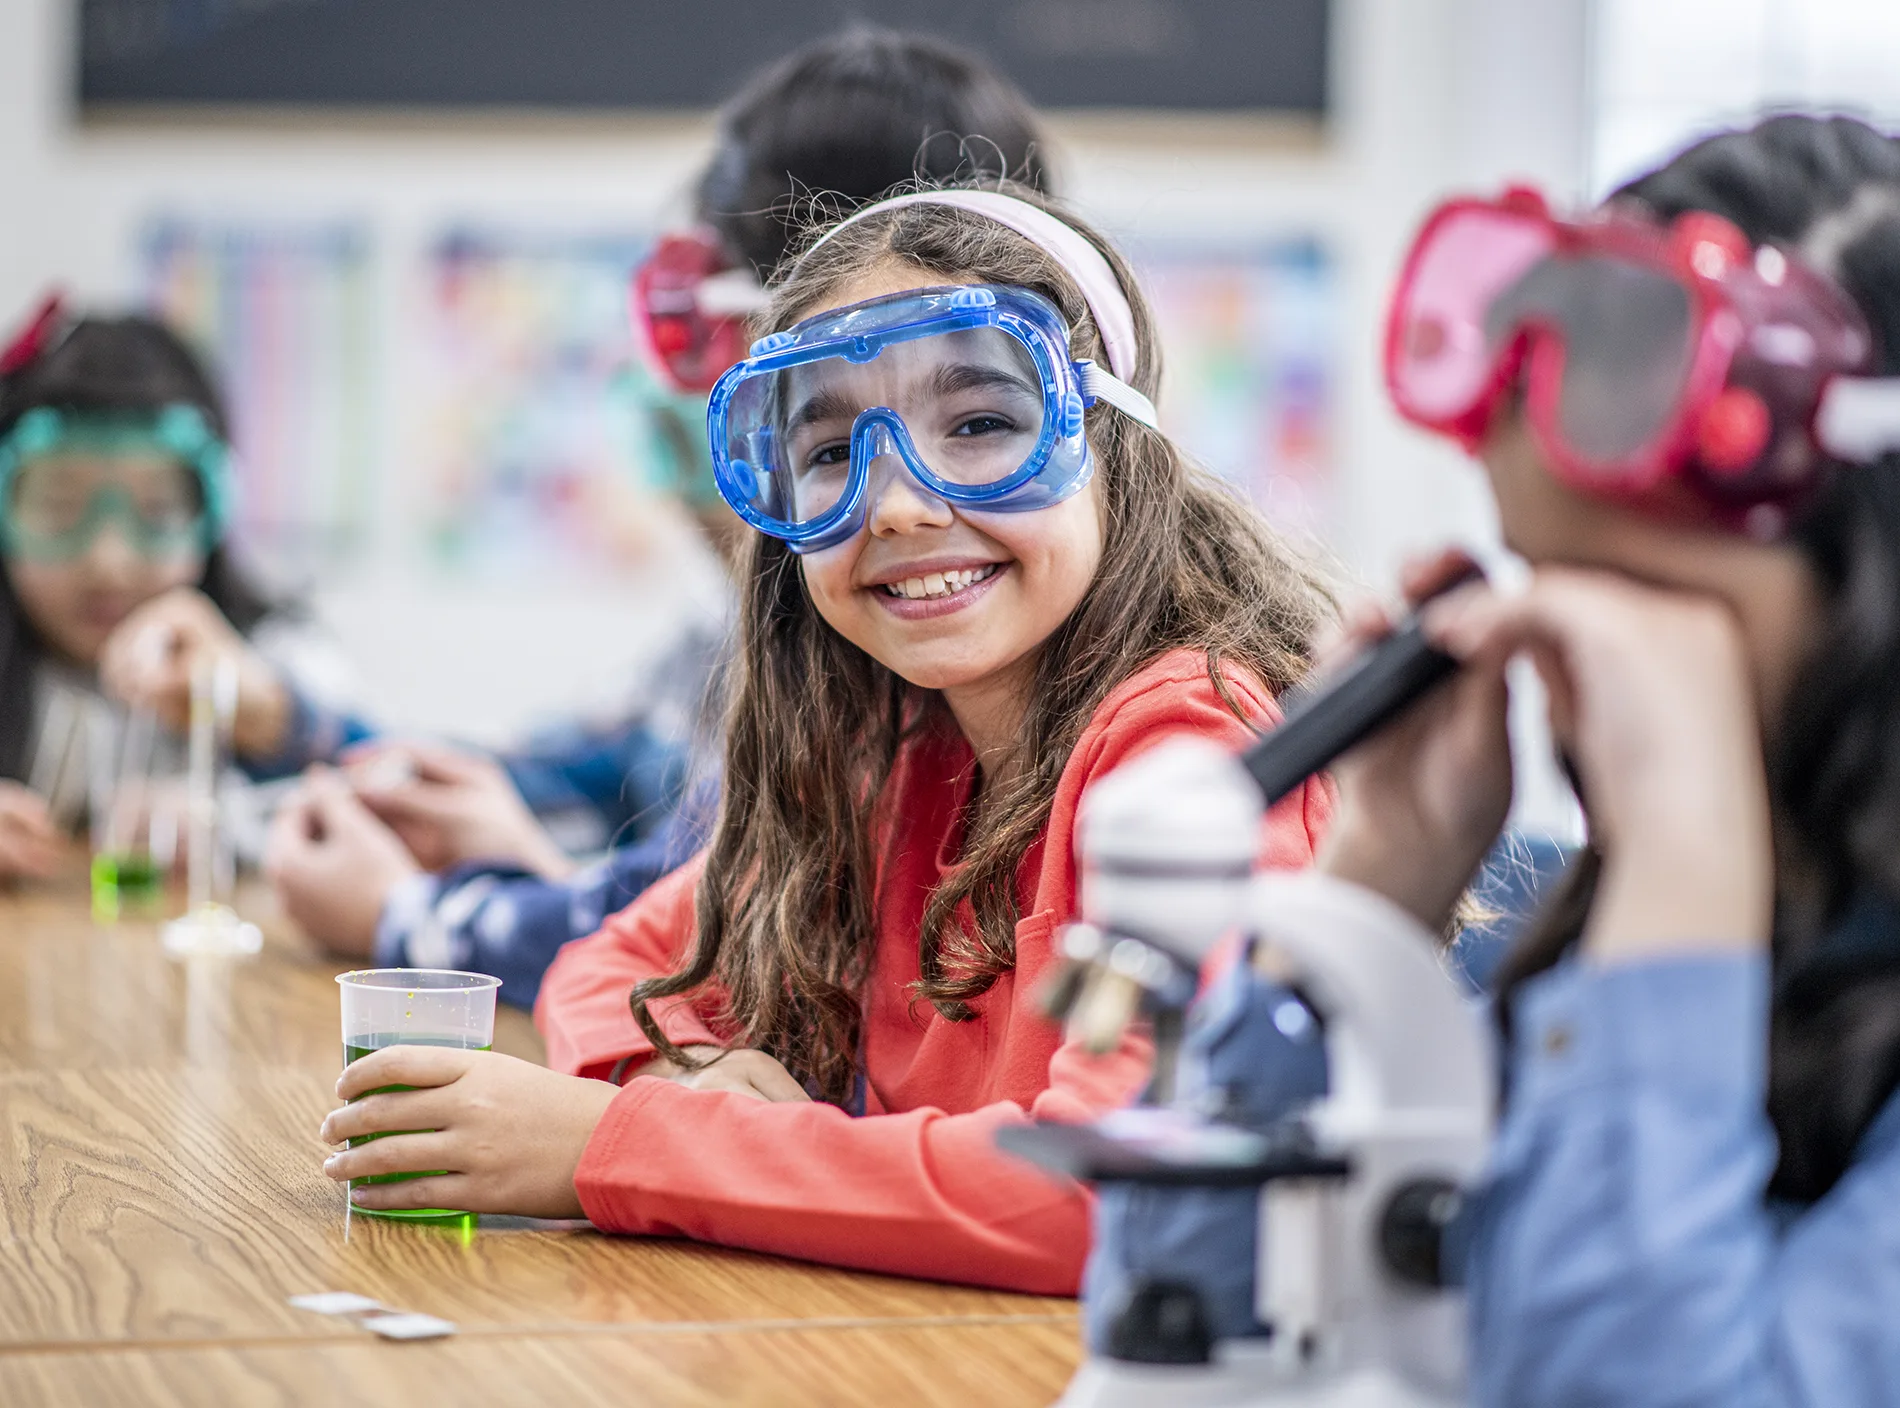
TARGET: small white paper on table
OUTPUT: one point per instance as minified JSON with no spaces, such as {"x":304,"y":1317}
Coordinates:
{"x":409,"y":1327}
{"x":335,"y":1303}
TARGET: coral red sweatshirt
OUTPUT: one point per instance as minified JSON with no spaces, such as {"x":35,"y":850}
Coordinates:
{"x":915,"y":1186}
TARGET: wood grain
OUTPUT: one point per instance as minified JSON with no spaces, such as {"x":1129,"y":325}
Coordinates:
{"x":956,"y":1365}
{"x":160,"y":1198}
{"x":189,"y":1204}
{"x":76,"y":994}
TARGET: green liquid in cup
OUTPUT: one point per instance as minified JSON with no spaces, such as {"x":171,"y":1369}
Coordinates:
{"x":356,"y":1051}
{"x":126,"y":884}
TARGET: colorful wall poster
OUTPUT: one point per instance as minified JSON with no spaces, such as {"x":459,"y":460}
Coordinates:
{"x":284,"y":315}
{"x":528,"y":429}
{"x":1248,"y":337}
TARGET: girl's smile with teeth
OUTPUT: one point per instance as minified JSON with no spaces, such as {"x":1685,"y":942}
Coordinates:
{"x":938,"y":584}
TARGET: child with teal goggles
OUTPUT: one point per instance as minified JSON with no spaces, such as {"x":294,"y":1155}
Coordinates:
{"x":45,"y":515}
{"x":972,"y":389}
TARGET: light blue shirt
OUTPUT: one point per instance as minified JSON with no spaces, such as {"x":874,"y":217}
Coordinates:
{"x":1622,"y":1249}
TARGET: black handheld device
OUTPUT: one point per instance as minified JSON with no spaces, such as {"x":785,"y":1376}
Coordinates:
{"x":1322,"y":723}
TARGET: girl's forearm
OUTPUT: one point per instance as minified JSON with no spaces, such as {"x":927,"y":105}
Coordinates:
{"x":1676,"y":893}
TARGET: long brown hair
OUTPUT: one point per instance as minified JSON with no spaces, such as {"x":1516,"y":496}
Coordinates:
{"x":786,"y":906}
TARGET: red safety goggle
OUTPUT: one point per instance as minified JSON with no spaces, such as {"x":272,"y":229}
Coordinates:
{"x":690,"y":305}
{"x":1675,"y":365}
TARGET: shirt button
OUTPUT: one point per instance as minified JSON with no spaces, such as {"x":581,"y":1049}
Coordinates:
{"x":1557,"y":1041}
{"x":1293,"y":1020}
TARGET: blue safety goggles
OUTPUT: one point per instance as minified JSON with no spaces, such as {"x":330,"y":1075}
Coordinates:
{"x":971,"y":390}
{"x":58,"y":520}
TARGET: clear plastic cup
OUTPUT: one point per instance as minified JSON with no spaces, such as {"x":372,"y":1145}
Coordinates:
{"x":414,"y":1007}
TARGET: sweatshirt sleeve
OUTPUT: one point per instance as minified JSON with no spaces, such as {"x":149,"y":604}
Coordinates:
{"x":922,"y":1193}
{"x":583,"y":1010}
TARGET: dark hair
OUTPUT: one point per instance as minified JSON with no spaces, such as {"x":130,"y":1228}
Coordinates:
{"x":847,"y":118}
{"x":105,"y":364}
{"x":1828,"y":188}
{"x":785,"y":909}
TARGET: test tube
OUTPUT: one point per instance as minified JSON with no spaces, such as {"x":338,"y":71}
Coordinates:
{"x":132,"y":837}
{"x":52,"y":749}
{"x":209,"y":925}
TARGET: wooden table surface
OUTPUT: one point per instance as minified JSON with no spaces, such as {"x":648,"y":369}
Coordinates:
{"x":160,"y":1199}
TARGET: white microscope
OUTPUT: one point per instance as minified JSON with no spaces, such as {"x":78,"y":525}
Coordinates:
{"x":1357,"y":1189}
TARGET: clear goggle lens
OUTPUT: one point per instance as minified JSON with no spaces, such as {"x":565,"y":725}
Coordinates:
{"x":1445,"y":355}
{"x":1623,"y":332}
{"x":970,"y":404}
{"x":59,"y":504}
{"x":1626,"y":341}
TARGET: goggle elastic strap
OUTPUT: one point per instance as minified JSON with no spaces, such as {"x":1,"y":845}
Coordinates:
{"x":689,"y":306}
{"x":731,"y":294}
{"x":1080,"y":260}
{"x":1858,"y":419}
{"x":1098,"y":385}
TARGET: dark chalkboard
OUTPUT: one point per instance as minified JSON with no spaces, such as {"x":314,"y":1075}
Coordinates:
{"x":645,"y":54}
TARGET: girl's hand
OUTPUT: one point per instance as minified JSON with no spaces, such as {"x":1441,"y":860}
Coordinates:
{"x":333,"y":864}
{"x":1421,"y":802}
{"x":1651,"y":696}
{"x":742,"y":1072}
{"x":148,"y":661}
{"x":449,"y":806}
{"x":29,"y":842}
{"x":506,"y":1134}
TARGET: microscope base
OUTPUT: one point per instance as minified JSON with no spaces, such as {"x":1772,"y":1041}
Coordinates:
{"x":1238,"y":1382}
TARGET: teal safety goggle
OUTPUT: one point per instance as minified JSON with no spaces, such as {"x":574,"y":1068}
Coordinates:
{"x":178,"y":431}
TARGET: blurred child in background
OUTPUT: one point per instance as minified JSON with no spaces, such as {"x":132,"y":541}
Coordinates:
{"x":982,"y":578}
{"x":444,"y":866}
{"x":1688,"y":407}
{"x":115,"y":500}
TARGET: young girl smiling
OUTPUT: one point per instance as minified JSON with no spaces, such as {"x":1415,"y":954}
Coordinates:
{"x":982,"y":579}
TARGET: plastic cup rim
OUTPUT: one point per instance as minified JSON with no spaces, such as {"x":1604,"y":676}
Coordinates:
{"x":479,"y":982}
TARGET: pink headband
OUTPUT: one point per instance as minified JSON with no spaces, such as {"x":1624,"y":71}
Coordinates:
{"x":1080,"y":260}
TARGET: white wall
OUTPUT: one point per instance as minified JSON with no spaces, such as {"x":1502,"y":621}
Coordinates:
{"x":1670,"y":71}
{"x":1430,"y":93}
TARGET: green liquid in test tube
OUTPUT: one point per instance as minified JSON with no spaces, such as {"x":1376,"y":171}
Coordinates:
{"x":133,"y":829}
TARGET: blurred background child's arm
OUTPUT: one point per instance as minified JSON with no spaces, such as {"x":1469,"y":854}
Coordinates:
{"x":29,"y":842}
